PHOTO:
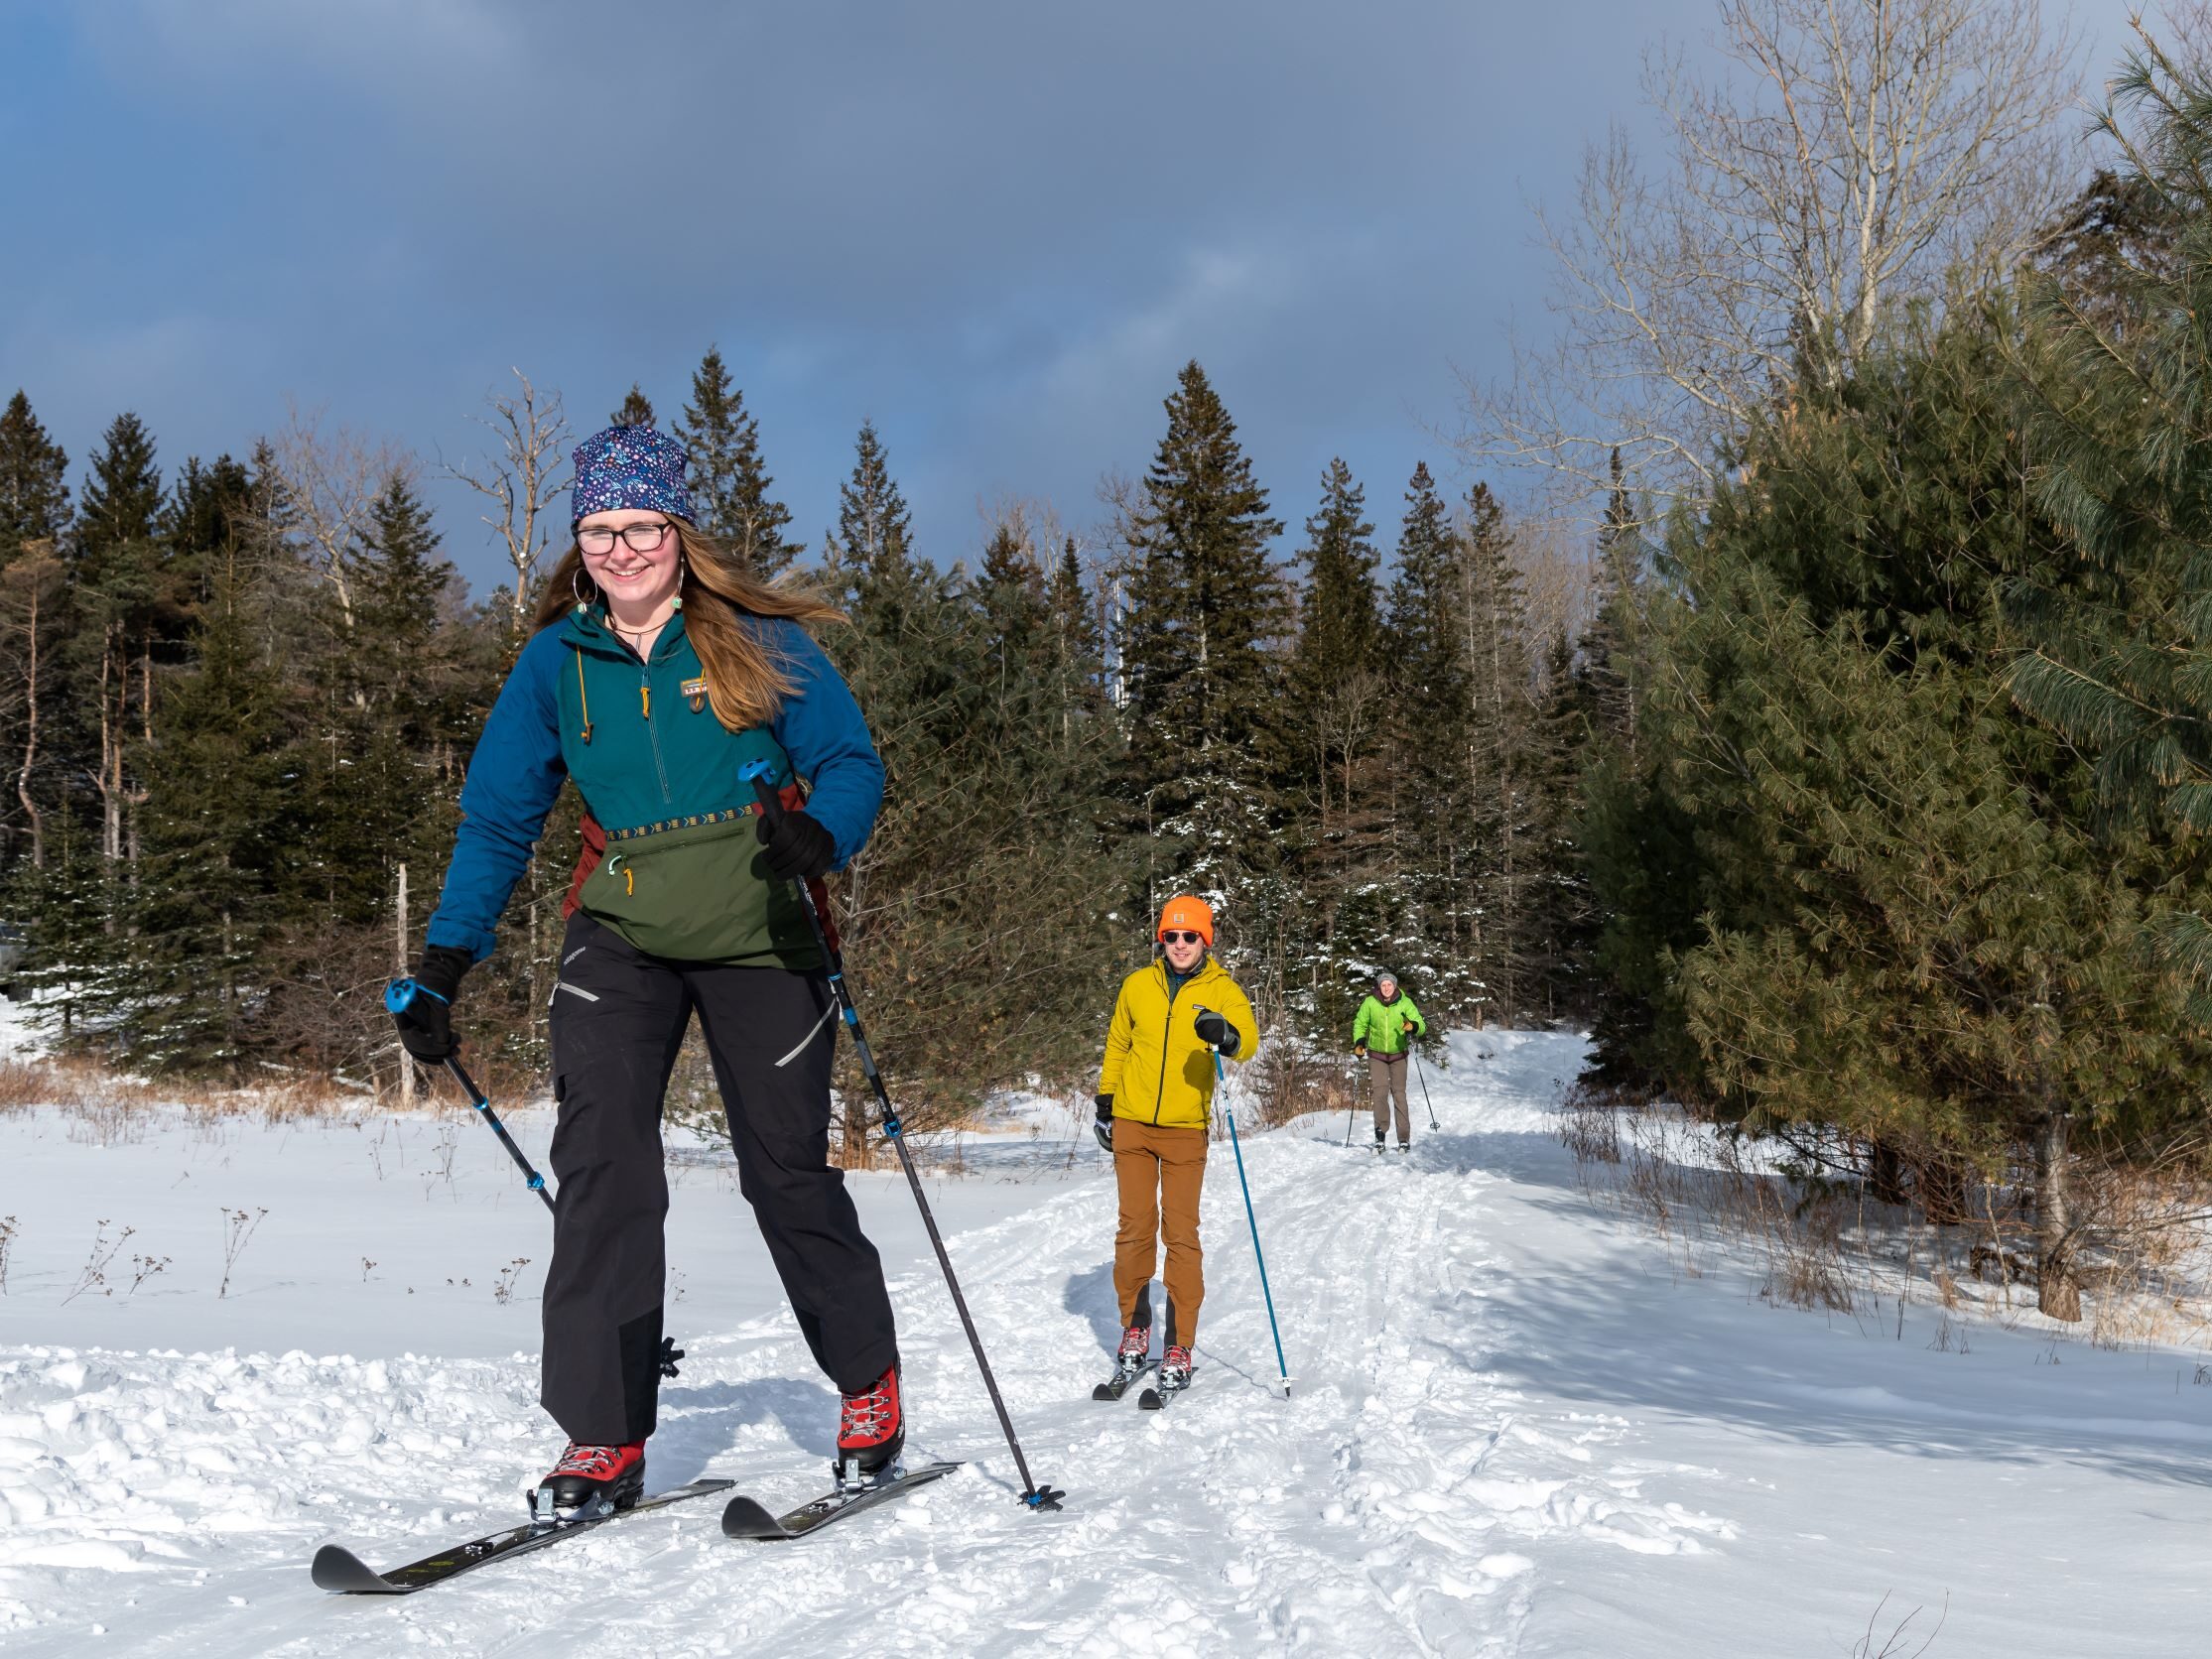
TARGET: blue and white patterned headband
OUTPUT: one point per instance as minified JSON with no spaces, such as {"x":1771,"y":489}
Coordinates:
{"x":631,"y":467}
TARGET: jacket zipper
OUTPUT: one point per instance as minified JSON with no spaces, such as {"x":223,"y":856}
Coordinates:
{"x":1159,"y":1091}
{"x":645,"y":708}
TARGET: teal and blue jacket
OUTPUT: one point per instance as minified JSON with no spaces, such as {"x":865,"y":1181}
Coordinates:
{"x":647,"y":754}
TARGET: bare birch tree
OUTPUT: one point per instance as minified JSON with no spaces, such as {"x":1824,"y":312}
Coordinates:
{"x":1856,"y":156}
{"x":523,"y":481}
{"x":30,"y":614}
{"x":330,"y":483}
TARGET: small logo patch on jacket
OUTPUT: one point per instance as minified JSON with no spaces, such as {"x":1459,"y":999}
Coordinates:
{"x":695,"y":693}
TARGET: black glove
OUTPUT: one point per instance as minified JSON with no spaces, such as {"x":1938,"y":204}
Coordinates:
{"x":1359,"y":1051}
{"x":1104,"y":1128}
{"x":426,"y":1023}
{"x":1216,"y":1032}
{"x":797,"y":844}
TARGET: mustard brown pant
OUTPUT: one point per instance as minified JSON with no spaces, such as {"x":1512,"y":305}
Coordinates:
{"x":1159,"y":1172}
{"x":1388,"y":1073}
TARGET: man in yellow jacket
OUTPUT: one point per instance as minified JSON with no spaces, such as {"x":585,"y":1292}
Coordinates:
{"x":1155,"y":1095}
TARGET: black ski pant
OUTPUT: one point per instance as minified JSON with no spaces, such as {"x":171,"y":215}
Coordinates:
{"x":618,"y":1019}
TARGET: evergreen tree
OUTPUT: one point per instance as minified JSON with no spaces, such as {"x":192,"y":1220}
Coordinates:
{"x":1202,"y":651}
{"x":2118,"y":382}
{"x":1336,"y":686}
{"x":75,"y":964}
{"x":1078,"y":645}
{"x":119,"y":586}
{"x":636,"y":409}
{"x":1559,"y":923}
{"x":222,"y":819}
{"x":1010,"y":590}
{"x":1431,"y":705}
{"x":729,"y":483}
{"x":1502,"y":809}
{"x":1607,"y":691}
{"x":1904,"y":919}
{"x":870,"y":554}
{"x":34,"y":487}
{"x":211,"y":510}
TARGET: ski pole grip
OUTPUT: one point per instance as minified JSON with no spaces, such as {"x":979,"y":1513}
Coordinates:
{"x":759,"y":773}
{"x":400,"y":995}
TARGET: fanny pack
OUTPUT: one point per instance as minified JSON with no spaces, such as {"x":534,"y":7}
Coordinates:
{"x":700,"y":891}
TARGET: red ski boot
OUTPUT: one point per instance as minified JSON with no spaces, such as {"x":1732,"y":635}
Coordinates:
{"x":871,"y":1429}
{"x":1175,"y":1371}
{"x":1136,"y":1348}
{"x":590,"y":1479}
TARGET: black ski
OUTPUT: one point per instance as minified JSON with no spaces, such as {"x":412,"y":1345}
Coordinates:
{"x":340,"y":1570}
{"x":1118,"y":1385}
{"x":747,"y":1518}
{"x":1153,"y":1399}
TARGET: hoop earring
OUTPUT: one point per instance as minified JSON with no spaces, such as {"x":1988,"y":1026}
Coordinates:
{"x":576,"y":576}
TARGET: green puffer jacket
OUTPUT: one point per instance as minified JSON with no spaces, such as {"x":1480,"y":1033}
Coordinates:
{"x":1383,"y":1026}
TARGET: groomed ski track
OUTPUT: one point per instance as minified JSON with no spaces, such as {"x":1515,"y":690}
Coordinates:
{"x":1511,"y":1433}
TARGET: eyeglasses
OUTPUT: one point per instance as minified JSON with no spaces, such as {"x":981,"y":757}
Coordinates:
{"x":641,"y":538}
{"x":1172,"y":937}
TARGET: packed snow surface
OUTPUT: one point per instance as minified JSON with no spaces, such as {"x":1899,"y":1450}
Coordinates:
{"x":1512,"y":1431}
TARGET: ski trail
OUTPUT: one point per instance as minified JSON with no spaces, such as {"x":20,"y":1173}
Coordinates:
{"x":1400,"y":1502}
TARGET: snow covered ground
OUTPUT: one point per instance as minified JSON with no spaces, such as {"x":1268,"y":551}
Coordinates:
{"x":1514,"y":1429}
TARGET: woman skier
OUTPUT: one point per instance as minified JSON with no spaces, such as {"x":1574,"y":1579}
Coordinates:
{"x":1154,"y":1100}
{"x":658,"y":667}
{"x":1383,"y":1034}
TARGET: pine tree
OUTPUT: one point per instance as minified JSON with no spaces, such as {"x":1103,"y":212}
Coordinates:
{"x":1608,"y":672}
{"x":1895,"y":913}
{"x":1496,"y":657}
{"x":636,"y":409}
{"x":1432,"y":744}
{"x":34,"y":481}
{"x":1011,"y":589}
{"x":1078,"y":644}
{"x":75,"y":964}
{"x":1336,"y":686}
{"x":118,"y":578}
{"x":2118,"y":387}
{"x":1202,"y":651}
{"x":223,"y":816}
{"x":870,"y":552}
{"x":730,"y":483}
{"x":1559,"y":925}
{"x":210,"y":509}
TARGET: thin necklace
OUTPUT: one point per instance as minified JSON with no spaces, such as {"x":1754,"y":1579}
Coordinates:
{"x":634,"y":634}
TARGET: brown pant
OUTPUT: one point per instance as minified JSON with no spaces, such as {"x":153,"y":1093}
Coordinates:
{"x":1159,"y":1172}
{"x":1388,"y":1072}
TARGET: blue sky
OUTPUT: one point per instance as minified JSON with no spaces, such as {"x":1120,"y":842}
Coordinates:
{"x":995,"y":227}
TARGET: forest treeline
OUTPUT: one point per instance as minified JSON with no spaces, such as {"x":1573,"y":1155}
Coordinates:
{"x":242,"y":697}
{"x":1859,"y":796}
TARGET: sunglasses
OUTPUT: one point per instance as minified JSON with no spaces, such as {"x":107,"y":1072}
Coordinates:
{"x":1173,"y":937}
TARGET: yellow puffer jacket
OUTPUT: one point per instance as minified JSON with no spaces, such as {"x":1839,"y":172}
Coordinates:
{"x":1156,"y":1068}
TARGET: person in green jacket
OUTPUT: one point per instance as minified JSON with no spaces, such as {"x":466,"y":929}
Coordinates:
{"x":1383,"y":1034}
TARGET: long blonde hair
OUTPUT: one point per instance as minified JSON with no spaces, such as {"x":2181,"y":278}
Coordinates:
{"x":746,"y":682}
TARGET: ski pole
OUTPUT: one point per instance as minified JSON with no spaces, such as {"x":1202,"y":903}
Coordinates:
{"x":397,"y":995}
{"x":1282,"y":1369}
{"x":758,"y":773}
{"x":1424,"y":1077}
